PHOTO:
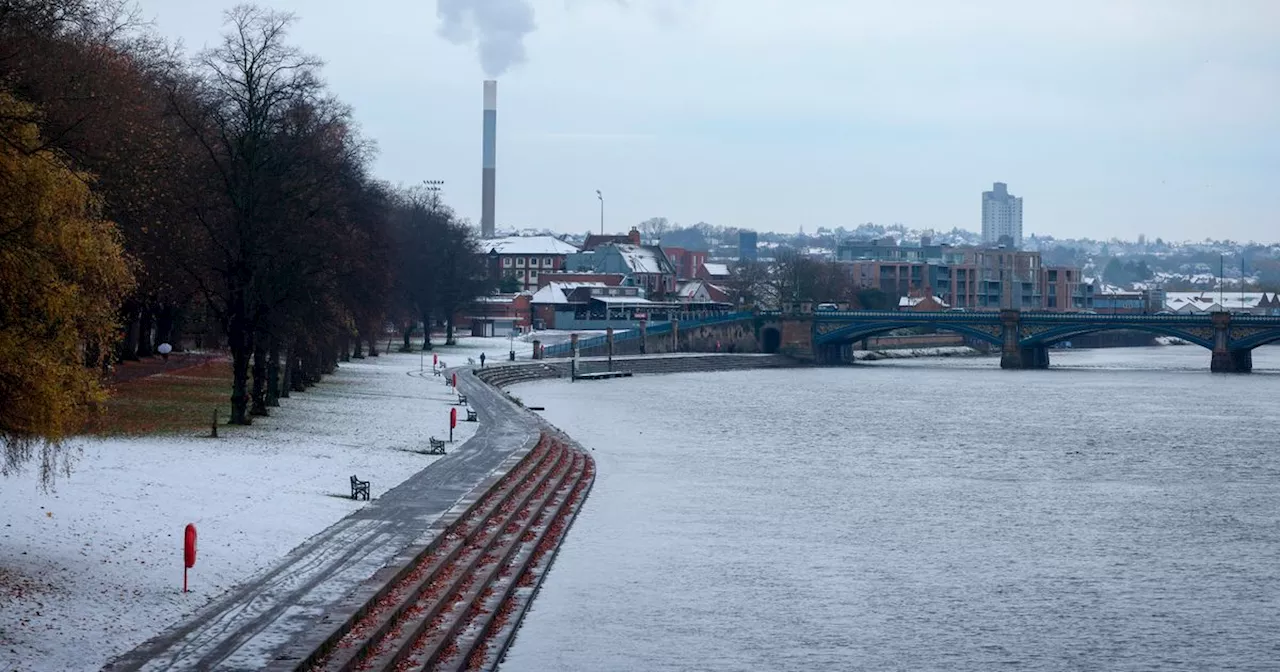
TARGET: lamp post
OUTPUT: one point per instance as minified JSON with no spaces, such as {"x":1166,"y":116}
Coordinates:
{"x":433,"y":188}
{"x":601,"y":197}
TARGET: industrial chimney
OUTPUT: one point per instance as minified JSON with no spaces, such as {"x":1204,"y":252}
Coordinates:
{"x":490,"y":158}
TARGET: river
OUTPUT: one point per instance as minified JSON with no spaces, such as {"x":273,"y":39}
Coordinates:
{"x":1120,"y":511}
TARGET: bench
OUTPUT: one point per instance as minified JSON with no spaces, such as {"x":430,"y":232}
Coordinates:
{"x":462,"y":400}
{"x":359,"y":487}
{"x":437,"y":446}
{"x":437,"y":371}
{"x":471,"y":415}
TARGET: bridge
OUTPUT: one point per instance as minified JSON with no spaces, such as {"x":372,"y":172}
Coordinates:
{"x":1024,"y":338}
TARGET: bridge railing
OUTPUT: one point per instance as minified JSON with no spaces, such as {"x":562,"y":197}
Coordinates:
{"x":1026,"y":316}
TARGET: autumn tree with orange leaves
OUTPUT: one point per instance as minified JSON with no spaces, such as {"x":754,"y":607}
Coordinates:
{"x":63,"y":275}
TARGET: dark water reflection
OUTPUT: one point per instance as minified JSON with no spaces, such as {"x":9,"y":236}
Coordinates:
{"x":1121,"y":511}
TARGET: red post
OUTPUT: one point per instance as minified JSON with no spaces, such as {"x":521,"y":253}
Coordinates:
{"x":453,"y":422}
{"x":435,"y":359}
{"x":188,"y":552}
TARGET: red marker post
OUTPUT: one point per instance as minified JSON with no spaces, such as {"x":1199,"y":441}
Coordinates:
{"x":453,"y":422}
{"x":188,"y":553}
{"x":435,"y":359}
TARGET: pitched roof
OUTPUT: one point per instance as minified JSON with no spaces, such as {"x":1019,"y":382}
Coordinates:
{"x":528,"y":245}
{"x":912,"y":301}
{"x":645,"y":258}
{"x":717,"y":270}
{"x":595,"y":240}
{"x":557,"y":292}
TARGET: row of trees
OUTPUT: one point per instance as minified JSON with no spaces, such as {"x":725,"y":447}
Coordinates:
{"x":793,"y":276}
{"x":144,"y":191}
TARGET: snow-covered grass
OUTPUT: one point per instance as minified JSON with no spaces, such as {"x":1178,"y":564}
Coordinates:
{"x":94,"y":567}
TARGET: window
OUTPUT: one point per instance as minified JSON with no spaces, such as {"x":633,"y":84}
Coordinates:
{"x":520,"y":274}
{"x":548,"y":262}
{"x":533,"y":275}
{"x":506,"y":262}
{"x":519,"y":262}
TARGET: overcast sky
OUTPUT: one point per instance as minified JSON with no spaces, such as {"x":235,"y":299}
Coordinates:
{"x":1109,"y":117}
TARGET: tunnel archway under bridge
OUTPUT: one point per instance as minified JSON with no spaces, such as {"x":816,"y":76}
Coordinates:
{"x":829,"y":347}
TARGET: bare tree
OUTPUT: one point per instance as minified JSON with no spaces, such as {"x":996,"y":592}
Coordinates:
{"x":248,"y":86}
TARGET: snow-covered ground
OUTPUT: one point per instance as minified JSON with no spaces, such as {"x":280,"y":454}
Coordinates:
{"x":94,"y":567}
{"x":554,"y":336}
{"x":910,"y":353}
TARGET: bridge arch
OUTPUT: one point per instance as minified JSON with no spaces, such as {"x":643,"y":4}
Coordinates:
{"x":770,"y":340}
{"x":1067,"y":332}
{"x":856,"y":332}
{"x":1256,"y":340}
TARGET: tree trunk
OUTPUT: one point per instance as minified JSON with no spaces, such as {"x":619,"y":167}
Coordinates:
{"x":165,"y":322}
{"x":128,"y":348}
{"x":328,"y":360}
{"x":426,"y":330}
{"x":344,"y":347}
{"x":259,"y":399}
{"x":146,"y":319}
{"x":286,"y":383}
{"x":359,"y":349}
{"x":273,"y":373}
{"x":240,"y":352}
{"x":448,"y":331}
{"x":373,"y":344}
{"x":408,"y":336}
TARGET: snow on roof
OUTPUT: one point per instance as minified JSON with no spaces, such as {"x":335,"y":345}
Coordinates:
{"x":689,"y":289}
{"x":528,"y":245}
{"x":716,"y":269}
{"x":642,"y":258}
{"x":622,"y":299}
{"x":912,"y":301}
{"x":557,"y":292}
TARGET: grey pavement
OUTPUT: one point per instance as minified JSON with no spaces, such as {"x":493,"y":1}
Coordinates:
{"x":247,"y":628}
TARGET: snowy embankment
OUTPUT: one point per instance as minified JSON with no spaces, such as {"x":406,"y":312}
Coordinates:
{"x":94,"y":567}
{"x":911,"y":353}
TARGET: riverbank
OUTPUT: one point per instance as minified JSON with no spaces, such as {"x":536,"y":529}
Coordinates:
{"x":913,"y":353}
{"x":87,"y":569}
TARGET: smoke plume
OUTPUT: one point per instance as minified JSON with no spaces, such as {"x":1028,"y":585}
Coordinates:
{"x":496,"y":27}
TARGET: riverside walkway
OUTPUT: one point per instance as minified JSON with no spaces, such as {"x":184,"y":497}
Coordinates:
{"x":268,"y":619}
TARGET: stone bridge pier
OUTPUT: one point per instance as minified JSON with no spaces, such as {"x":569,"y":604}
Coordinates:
{"x":1015,"y":355}
{"x":1225,"y":358}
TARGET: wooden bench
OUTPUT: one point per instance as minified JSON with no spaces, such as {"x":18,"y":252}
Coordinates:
{"x":471,"y":415}
{"x":358,"y":488}
{"x":437,"y":446}
{"x":437,"y":370}
{"x":462,"y":400}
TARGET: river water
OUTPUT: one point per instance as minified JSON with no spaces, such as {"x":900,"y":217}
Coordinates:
{"x":1120,"y":511}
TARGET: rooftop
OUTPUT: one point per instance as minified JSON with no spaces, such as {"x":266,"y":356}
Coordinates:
{"x":530,"y":245}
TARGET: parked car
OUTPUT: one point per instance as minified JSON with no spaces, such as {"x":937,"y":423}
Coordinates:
{"x":828,"y":306}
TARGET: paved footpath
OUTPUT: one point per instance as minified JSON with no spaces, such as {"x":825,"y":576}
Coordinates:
{"x":246,"y":628}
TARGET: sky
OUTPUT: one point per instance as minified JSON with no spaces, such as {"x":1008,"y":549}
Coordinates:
{"x":1108,"y":117}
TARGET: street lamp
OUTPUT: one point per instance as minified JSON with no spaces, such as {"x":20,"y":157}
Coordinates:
{"x":433,"y":187}
{"x":601,"y":197}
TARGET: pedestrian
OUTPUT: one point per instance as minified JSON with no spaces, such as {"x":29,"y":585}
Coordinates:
{"x":482,"y":360}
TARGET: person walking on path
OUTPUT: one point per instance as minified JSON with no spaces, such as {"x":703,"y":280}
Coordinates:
{"x":482,"y":360}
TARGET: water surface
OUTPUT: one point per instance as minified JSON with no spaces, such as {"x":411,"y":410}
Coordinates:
{"x":1120,"y":511}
